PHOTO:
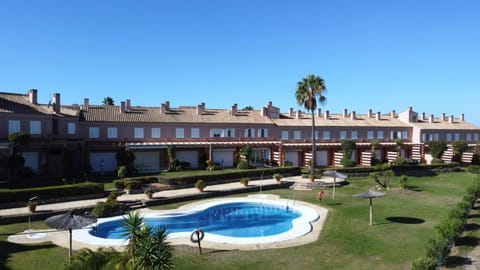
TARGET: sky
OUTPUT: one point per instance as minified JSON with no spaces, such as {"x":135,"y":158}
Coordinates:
{"x":382,"y":55}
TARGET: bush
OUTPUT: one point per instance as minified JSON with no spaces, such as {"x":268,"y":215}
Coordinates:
{"x":122,"y":172}
{"x":107,"y":209}
{"x":424,"y":263}
{"x":403,"y":181}
{"x":242,"y":165}
{"x":437,"y":161}
{"x":119,"y":184}
{"x":400,"y":161}
{"x":133,"y":185}
{"x":347,"y":163}
{"x":244,"y":180}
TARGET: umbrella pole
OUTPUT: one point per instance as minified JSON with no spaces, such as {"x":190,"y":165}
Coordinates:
{"x":334,"y":185}
{"x":70,"y":250}
{"x":371,"y":210}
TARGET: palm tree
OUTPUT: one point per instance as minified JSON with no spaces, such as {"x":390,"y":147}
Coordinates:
{"x":132,"y":225}
{"x":108,"y":101}
{"x":309,"y":89}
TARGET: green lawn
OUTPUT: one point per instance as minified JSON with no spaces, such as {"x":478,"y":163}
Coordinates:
{"x":346,"y":242}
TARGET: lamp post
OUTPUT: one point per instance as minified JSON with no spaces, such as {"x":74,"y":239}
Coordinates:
{"x":34,"y":198}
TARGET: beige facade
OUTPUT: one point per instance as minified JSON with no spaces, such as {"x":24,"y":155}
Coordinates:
{"x":90,"y":135}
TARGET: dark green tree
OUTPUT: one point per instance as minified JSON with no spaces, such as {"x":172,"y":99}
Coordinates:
{"x":309,"y":90}
{"x":108,"y":101}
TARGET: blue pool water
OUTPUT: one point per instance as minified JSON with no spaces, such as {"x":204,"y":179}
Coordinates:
{"x":239,"y":219}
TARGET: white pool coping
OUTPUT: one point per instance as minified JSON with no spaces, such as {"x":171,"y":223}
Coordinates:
{"x":301,"y":225}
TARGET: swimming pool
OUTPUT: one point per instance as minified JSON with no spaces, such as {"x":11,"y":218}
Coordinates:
{"x":235,"y":220}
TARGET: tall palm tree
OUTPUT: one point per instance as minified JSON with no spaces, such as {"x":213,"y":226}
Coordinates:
{"x":309,"y":89}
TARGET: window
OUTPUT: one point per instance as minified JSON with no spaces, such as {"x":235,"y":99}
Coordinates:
{"x":457,"y":136}
{"x":35,"y":127}
{"x":284,"y":135}
{"x":475,"y":137}
{"x":297,"y":135}
{"x":469,"y":137}
{"x":354,"y":135}
{"x":396,"y":135}
{"x":156,"y":133}
{"x":71,"y":128}
{"x":404,"y":135}
{"x":262,"y":133}
{"x":195,"y":132}
{"x":249,"y":132}
{"x":94,"y":132}
{"x":13,"y":126}
{"x":112,"y":132}
{"x":436,"y":136}
{"x":222,"y":133}
{"x":380,"y":135}
{"x":316,"y":135}
{"x":230,"y":133}
{"x":179,"y":133}
{"x":370,"y":135}
{"x":326,"y":135}
{"x":343,"y":135}
{"x":138,"y":133}
{"x":449,"y":137}
{"x":427,"y":137}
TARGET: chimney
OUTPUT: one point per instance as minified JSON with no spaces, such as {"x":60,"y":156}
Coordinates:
{"x":163,"y":108}
{"x":450,"y":119}
{"x":319,"y":112}
{"x":290,"y":112}
{"x":269,"y":104}
{"x":423,"y":116}
{"x":86,"y":103}
{"x":326,"y":114}
{"x":462,"y":117}
{"x":56,"y":103}
{"x":369,"y":113}
{"x":32,"y":96}
{"x":353,"y":115}
{"x":263,"y":111}
{"x":128,"y":105}
{"x":345,"y":113}
{"x":122,"y":107}
{"x":392,"y":114}
{"x":233,"y":111}
{"x":167,"y":105}
{"x":200,"y":108}
{"x":443,"y":117}
{"x":430,"y":118}
{"x":299,"y":114}
{"x":378,"y":116}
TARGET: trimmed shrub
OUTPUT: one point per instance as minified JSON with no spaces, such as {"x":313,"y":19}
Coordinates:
{"x":242,"y":165}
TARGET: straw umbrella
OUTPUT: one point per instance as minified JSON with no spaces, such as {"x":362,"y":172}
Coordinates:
{"x":370,"y":194}
{"x":335,"y":175}
{"x":70,"y":221}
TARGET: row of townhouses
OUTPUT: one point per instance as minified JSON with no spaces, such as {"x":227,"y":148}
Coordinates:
{"x":89,"y":136}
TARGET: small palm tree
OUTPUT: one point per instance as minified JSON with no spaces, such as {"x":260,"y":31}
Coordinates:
{"x":132,"y":225}
{"x":108,"y":101}
{"x":95,"y":260}
{"x":309,"y":89}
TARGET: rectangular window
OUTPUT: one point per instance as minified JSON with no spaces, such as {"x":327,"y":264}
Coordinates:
{"x":262,"y":133}
{"x":112,"y":132}
{"x":138,"y":133}
{"x":436,"y":136}
{"x":156,"y":133}
{"x":249,"y":133}
{"x":370,"y":135}
{"x":326,"y":135}
{"x":230,"y":132}
{"x":297,"y":135}
{"x":469,"y":137}
{"x":316,"y":135}
{"x":475,"y":137}
{"x":71,"y":128}
{"x":284,"y":135}
{"x":404,"y":135}
{"x":427,"y":137}
{"x":13,"y":126}
{"x":354,"y":135}
{"x":396,"y":135}
{"x":449,"y":137}
{"x":380,"y":135}
{"x":35,"y":127}
{"x":457,"y":136}
{"x":216,"y":133}
{"x":94,"y":132}
{"x":195,"y":133}
{"x":179,"y":133}
{"x":343,"y":135}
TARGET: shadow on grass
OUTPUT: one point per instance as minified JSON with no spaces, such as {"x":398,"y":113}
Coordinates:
{"x":467,"y":241}
{"x":474,"y":216}
{"x":334,"y":203}
{"x":471,"y":227}
{"x":7,"y":248}
{"x":406,"y":220}
{"x":414,"y":188}
{"x":457,"y":261}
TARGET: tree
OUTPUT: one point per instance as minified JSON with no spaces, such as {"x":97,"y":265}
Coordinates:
{"x":108,"y":101}
{"x":309,"y":89}
{"x":94,"y":260}
{"x":18,"y":141}
{"x":436,"y":148}
{"x":248,"y":108}
{"x":459,"y":147}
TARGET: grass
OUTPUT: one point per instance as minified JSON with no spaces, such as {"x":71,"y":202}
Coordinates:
{"x":403,"y":221}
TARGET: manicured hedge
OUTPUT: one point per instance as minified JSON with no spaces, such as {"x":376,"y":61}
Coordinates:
{"x":134,"y":182}
{"x":19,"y":195}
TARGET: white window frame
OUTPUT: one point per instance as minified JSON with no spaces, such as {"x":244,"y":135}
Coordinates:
{"x":13,"y":126}
{"x":93,"y":132}
{"x":35,"y":127}
{"x":354,"y":135}
{"x":297,"y":135}
{"x":343,"y":135}
{"x":380,"y":134}
{"x":262,"y":133}
{"x":284,"y":135}
{"x":179,"y":133}
{"x":370,"y":135}
{"x":404,"y":135}
{"x":156,"y":133}
{"x":326,"y":135}
{"x":436,"y":136}
{"x":229,"y":133}
{"x":249,"y":133}
{"x":112,"y":132}
{"x":138,"y":133}
{"x":71,"y":128}
{"x":195,"y":133}
{"x":449,"y":137}
{"x":457,"y":136}
{"x":469,"y":137}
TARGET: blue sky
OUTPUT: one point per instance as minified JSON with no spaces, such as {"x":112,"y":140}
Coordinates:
{"x":379,"y":55}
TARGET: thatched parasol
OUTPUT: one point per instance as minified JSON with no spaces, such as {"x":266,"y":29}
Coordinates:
{"x":370,"y":194}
